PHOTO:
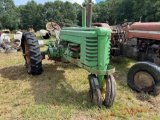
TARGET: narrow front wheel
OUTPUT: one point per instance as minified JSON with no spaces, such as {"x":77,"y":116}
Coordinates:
{"x":108,"y":90}
{"x":94,"y":92}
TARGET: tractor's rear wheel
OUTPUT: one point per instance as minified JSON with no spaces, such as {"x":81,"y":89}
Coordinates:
{"x":144,"y":76}
{"x":32,"y":54}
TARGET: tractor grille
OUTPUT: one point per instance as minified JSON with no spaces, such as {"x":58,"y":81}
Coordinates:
{"x":91,"y":49}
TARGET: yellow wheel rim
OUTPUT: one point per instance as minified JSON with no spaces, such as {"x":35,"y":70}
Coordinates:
{"x":103,"y":90}
{"x":28,"y":61}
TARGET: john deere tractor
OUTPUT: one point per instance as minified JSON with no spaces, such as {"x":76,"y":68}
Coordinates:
{"x":87,"y":47}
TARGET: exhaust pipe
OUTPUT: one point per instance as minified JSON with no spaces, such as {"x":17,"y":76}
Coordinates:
{"x":89,"y":16}
{"x":84,"y":17}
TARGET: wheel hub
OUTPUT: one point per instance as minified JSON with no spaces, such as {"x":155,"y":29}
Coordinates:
{"x":27,"y":55}
{"x":103,"y":90}
{"x":144,"y":81}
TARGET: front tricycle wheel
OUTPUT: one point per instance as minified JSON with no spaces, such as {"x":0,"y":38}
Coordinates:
{"x":107,"y":94}
{"x":94,"y":91}
{"x":108,"y":90}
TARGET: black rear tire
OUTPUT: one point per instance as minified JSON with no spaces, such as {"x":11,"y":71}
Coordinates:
{"x":144,"y":76}
{"x":32,"y":54}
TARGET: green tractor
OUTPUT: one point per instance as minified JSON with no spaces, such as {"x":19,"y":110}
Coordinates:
{"x":87,"y":47}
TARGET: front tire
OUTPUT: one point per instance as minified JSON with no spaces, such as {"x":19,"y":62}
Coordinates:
{"x":94,"y":92}
{"x":108,"y":90}
{"x":32,"y":54}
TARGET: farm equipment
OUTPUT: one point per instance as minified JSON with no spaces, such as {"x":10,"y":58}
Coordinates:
{"x":140,"y":41}
{"x":9,"y":46}
{"x":30,"y":28}
{"x":143,"y":44}
{"x":117,"y":36}
{"x":52,"y":30}
{"x":86,"y":47}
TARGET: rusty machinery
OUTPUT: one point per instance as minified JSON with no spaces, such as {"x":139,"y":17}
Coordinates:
{"x":140,"y":41}
{"x":143,"y":44}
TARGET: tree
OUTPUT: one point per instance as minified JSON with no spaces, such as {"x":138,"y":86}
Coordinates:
{"x":124,"y":11}
{"x":78,"y":10}
{"x":8,"y":15}
{"x":31,"y":15}
{"x":69,"y":14}
{"x":106,"y":11}
{"x":62,"y":13}
{"x":52,"y":11}
{"x":100,"y":12}
{"x":157,"y":12}
{"x":40,"y":18}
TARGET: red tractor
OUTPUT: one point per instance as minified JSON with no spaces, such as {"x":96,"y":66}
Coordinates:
{"x":140,"y":41}
{"x":143,"y":44}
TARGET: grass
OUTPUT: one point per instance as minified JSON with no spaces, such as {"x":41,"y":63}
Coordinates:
{"x":61,"y":93}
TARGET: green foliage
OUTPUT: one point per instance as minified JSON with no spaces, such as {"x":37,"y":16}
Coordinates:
{"x":31,"y":15}
{"x":78,"y":10}
{"x":68,"y":14}
{"x":120,"y":11}
{"x":100,"y":12}
{"x":156,"y":6}
{"x":8,"y":15}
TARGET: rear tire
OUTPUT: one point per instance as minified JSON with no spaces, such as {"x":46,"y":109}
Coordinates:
{"x":32,"y":54}
{"x":144,"y":76}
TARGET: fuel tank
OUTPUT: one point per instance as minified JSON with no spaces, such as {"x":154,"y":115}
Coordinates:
{"x":148,"y":30}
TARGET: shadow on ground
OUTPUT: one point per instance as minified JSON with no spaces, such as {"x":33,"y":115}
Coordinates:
{"x":122,"y":66}
{"x":51,"y":87}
